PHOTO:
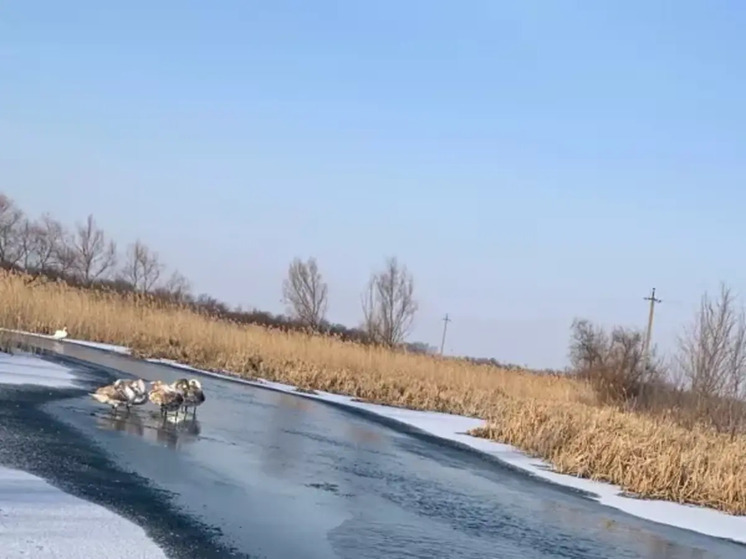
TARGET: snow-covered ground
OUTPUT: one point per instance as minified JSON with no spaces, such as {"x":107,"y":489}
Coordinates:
{"x":453,"y":427}
{"x":38,"y":520}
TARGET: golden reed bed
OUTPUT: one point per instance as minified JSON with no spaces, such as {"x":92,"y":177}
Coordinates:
{"x":551,"y":417}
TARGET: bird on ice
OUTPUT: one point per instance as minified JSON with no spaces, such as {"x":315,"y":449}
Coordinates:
{"x":139,"y":389}
{"x":166,"y":396}
{"x":119,"y":393}
{"x":59,"y":334}
{"x":191,"y":390}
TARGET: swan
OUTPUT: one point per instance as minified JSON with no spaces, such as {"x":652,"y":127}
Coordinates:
{"x":191,"y":390}
{"x":139,"y":389}
{"x":117,"y":394}
{"x":59,"y":334}
{"x":165,"y":396}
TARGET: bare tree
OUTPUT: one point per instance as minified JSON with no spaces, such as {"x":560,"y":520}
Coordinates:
{"x":94,"y":257}
{"x":388,"y":304}
{"x":11,"y":219}
{"x":613,"y":363}
{"x":142,"y":268}
{"x":38,"y":243}
{"x":712,"y":359}
{"x":588,"y":344}
{"x":66,"y":257}
{"x":178,"y":287}
{"x":25,"y":240}
{"x":48,"y":243}
{"x":305,"y":292}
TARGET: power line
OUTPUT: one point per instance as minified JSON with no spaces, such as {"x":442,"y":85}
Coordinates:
{"x":446,"y":320}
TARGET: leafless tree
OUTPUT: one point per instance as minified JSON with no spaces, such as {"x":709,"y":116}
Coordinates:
{"x":142,"y":268}
{"x":706,"y":344}
{"x":305,"y":292}
{"x":178,"y":287}
{"x":613,"y":363}
{"x":49,"y":243}
{"x":388,"y":302}
{"x":588,"y":344}
{"x":25,"y":241}
{"x":11,"y":219}
{"x":94,"y":256}
{"x":66,"y":258}
{"x":712,"y":358}
{"x":38,"y":243}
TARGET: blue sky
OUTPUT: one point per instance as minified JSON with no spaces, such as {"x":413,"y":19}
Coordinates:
{"x":530,"y":162}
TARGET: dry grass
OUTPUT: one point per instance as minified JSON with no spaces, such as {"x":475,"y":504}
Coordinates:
{"x":549,"y":416}
{"x":653,"y":459}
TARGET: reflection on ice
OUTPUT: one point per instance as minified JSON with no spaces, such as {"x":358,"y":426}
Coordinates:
{"x":289,"y":416}
{"x":131,"y":423}
{"x":171,"y":431}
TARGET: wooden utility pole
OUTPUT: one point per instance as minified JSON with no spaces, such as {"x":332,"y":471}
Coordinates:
{"x":446,"y":320}
{"x":648,"y":334}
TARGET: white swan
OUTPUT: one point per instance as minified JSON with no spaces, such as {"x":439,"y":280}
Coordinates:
{"x":59,"y":334}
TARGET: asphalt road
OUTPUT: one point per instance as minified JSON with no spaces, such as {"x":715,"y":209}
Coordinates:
{"x":263,"y":474}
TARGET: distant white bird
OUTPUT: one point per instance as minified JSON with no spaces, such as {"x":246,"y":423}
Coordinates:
{"x":59,"y":334}
{"x":191,"y":390}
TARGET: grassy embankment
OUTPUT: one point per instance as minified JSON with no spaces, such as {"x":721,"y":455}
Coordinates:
{"x":555,"y":418}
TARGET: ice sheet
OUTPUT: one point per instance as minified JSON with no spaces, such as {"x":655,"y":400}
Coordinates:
{"x":40,"y":521}
{"x":454,"y":427}
{"x":27,"y":369}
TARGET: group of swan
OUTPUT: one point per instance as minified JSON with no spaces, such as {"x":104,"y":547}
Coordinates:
{"x":182,"y":394}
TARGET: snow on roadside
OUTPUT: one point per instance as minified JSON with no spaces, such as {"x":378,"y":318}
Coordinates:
{"x":98,"y":345}
{"x":27,"y":369}
{"x":40,"y":521}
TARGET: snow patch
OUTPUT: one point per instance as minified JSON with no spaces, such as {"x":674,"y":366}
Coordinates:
{"x":178,"y":365}
{"x":26,"y":369}
{"x":40,"y":521}
{"x":108,"y":347}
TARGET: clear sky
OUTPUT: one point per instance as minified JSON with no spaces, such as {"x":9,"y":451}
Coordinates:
{"x":529,"y":161}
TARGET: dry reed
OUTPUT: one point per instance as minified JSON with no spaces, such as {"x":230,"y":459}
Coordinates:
{"x":548,"y":416}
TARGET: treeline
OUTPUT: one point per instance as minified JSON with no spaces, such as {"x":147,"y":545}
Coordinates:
{"x":84,"y":255}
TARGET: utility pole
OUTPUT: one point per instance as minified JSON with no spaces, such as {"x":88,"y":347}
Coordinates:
{"x":446,"y":320}
{"x":648,"y":334}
